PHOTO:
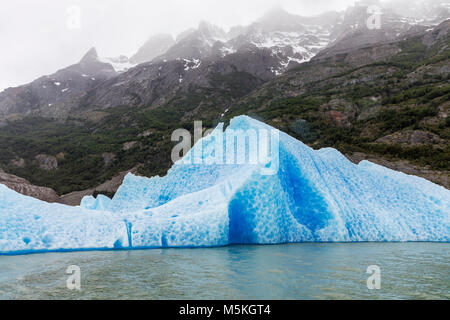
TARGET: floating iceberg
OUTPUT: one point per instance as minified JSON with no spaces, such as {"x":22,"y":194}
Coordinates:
{"x":306,"y":196}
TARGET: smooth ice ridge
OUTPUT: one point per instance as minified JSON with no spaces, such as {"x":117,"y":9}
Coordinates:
{"x":315,"y":196}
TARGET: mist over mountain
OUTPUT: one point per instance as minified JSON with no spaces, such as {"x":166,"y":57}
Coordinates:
{"x":154,"y":47}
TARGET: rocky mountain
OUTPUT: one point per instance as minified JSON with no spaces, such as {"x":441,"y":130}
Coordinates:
{"x":201,"y":59}
{"x":158,"y":83}
{"x":292,"y":39}
{"x":164,"y":68}
{"x":378,"y":94}
{"x":55,"y":95}
{"x":196,"y":44}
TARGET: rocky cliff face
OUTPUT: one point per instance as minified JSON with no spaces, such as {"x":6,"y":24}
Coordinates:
{"x":24,"y":187}
{"x":156,"y":83}
{"x":56,"y":95}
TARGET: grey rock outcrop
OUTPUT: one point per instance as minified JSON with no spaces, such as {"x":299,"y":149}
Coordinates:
{"x":24,"y":187}
{"x":411,"y":138}
{"x":57,"y":94}
{"x":46,"y":162}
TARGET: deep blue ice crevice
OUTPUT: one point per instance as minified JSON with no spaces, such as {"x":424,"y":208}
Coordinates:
{"x":129,"y":227}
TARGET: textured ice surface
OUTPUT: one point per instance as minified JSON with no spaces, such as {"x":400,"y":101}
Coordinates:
{"x":28,"y":225}
{"x":314,"y":196}
{"x":100,"y":203}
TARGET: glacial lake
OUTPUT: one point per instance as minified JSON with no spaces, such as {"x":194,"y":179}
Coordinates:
{"x":291,"y":271}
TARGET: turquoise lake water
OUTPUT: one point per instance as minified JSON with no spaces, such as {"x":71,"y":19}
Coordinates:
{"x":293,"y":271}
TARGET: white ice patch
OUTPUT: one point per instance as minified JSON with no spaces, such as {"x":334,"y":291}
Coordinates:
{"x":191,"y":64}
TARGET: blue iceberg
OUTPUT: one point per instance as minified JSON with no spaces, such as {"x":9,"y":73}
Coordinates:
{"x":295,"y":194}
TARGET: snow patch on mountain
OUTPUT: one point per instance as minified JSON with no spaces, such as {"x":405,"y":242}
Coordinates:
{"x":191,"y":64}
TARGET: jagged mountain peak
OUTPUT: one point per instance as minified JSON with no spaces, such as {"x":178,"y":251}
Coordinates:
{"x":195,"y":43}
{"x":90,"y":56}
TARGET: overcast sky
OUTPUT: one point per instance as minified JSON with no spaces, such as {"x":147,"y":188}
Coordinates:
{"x":40,"y":36}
